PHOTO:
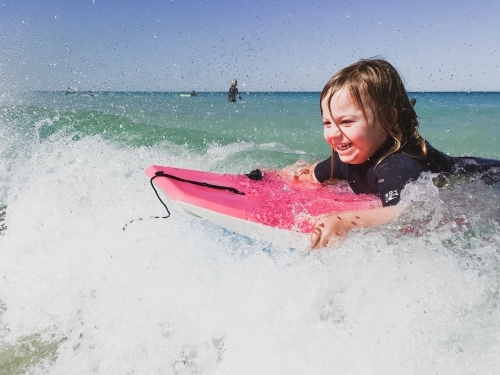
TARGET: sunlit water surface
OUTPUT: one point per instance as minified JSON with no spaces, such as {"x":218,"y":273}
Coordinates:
{"x":80,"y":295}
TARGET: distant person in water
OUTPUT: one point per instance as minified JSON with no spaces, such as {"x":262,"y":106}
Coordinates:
{"x":233,"y":92}
{"x":193,"y":93}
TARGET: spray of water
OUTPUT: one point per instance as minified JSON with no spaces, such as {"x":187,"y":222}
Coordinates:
{"x":181,"y":296}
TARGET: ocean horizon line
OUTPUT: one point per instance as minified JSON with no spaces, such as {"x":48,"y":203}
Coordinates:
{"x":244,"y":91}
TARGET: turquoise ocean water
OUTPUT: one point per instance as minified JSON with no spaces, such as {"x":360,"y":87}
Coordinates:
{"x":79,"y":295}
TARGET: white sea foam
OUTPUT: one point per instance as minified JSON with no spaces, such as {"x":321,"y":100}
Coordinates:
{"x":181,"y":296}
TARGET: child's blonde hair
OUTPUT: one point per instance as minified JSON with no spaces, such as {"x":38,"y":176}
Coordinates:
{"x":377,"y":84}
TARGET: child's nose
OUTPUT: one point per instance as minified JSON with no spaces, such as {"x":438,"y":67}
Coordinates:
{"x":334,"y":132}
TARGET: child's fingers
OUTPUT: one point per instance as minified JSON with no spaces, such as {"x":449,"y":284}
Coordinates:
{"x":302,"y":171}
{"x":316,"y":238}
{"x":325,"y":234}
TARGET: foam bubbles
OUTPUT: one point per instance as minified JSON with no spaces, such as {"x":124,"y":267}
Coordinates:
{"x":181,"y":296}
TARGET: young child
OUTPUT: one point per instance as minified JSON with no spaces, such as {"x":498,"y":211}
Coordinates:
{"x":372,"y":128}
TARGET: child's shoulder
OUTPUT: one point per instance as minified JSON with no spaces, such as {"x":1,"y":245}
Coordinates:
{"x":401,"y":161}
{"x":410,"y":158}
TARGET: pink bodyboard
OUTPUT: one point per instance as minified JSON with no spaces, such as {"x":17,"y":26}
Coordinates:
{"x":272,"y":201}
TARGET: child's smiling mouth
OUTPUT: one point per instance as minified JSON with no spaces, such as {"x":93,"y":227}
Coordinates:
{"x":344,"y":146}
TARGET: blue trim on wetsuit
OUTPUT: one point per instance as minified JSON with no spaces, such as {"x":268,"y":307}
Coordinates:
{"x":394,"y":172}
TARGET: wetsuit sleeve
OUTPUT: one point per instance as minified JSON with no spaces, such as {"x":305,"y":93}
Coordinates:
{"x":470,"y":165}
{"x":323,"y":170}
{"x":392,"y":175}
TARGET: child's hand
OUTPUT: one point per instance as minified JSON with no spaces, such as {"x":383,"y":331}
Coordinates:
{"x":300,"y":171}
{"x":304,"y":175}
{"x":333,"y":228}
{"x":330,"y":230}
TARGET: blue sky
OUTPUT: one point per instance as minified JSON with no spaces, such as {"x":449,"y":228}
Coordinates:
{"x":268,"y":45}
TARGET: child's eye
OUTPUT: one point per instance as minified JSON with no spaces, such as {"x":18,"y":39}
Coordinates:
{"x":326,"y":123}
{"x":346,"y":122}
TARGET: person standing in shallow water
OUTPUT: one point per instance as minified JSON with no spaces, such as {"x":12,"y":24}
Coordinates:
{"x":233,"y":92}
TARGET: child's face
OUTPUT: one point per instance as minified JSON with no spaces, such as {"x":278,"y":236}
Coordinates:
{"x":354,"y":137}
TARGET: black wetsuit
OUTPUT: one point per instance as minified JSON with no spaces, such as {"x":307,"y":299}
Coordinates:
{"x":231,"y":96}
{"x":395,"y":171}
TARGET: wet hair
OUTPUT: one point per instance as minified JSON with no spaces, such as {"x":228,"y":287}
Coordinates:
{"x":234,"y":82}
{"x":377,"y":84}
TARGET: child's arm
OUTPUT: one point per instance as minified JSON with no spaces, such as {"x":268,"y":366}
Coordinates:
{"x":333,"y":228}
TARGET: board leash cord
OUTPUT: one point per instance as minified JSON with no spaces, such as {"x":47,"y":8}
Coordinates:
{"x":256,"y":174}
{"x":205,"y":184}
